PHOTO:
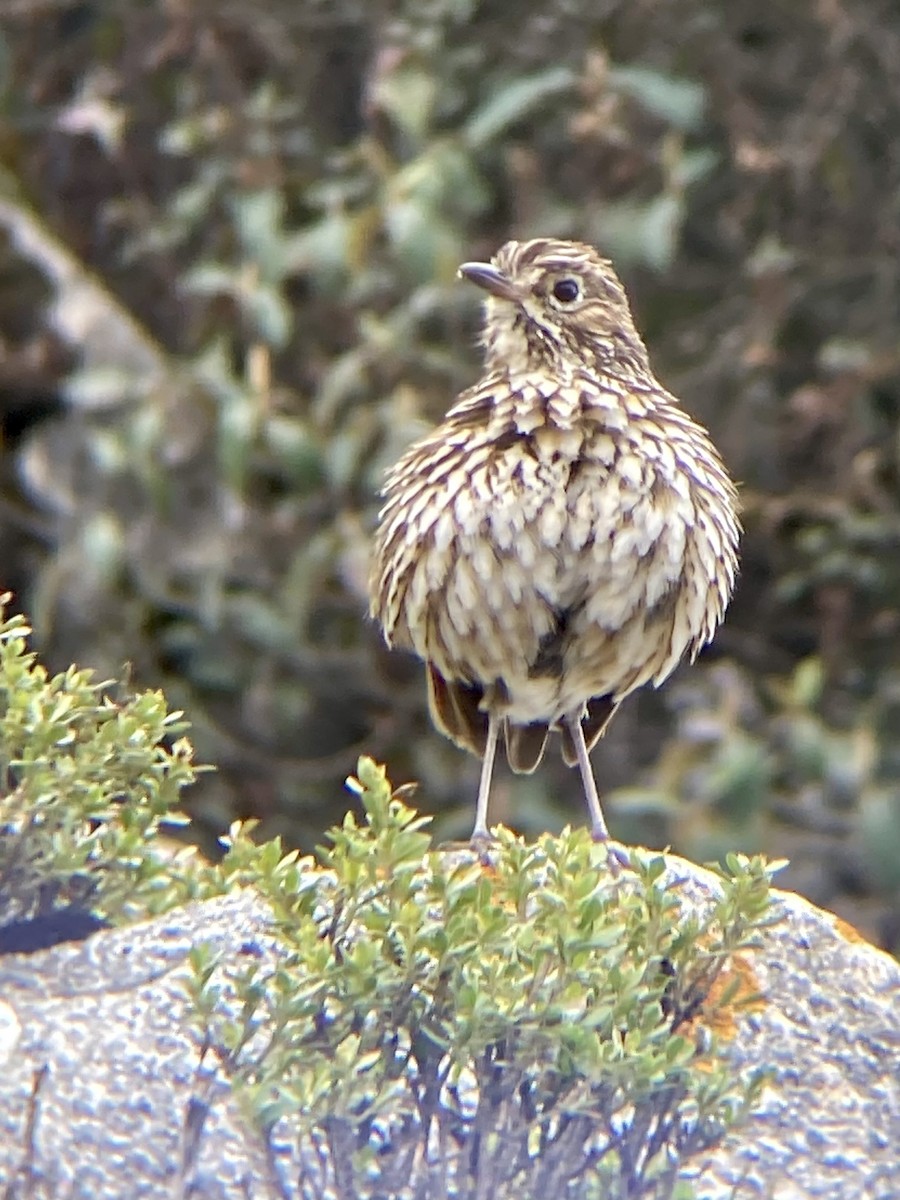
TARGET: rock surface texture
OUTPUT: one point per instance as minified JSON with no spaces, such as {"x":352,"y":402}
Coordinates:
{"x":103,"y":1091}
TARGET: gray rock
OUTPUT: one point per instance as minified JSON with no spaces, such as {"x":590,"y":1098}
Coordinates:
{"x":104,"y":1091}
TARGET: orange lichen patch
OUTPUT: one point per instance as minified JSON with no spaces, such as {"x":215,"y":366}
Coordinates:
{"x":735,"y":990}
{"x":847,"y":931}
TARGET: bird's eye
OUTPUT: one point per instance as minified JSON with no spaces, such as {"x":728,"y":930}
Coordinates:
{"x":566,"y":291}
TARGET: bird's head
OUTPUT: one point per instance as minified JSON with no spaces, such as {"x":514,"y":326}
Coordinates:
{"x":552,"y":306}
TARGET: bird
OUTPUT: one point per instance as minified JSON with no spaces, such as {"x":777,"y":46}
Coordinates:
{"x":564,"y":536}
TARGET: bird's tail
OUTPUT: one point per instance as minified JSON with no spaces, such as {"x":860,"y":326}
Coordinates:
{"x":525,"y":745}
{"x":455,"y":710}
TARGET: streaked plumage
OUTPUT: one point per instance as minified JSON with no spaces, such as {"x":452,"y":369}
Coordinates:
{"x":565,"y":535}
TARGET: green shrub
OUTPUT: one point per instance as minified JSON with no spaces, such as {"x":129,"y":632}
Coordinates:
{"x":86,"y":782}
{"x":509,"y":1024}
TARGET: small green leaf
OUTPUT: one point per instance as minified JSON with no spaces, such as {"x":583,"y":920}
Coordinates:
{"x":680,"y":102}
{"x":514,"y":101}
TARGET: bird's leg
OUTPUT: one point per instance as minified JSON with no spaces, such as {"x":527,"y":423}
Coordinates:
{"x":480,"y":832}
{"x":599,"y":832}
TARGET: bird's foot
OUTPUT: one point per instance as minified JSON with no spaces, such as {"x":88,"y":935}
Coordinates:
{"x":482,"y":842}
{"x":616,"y":856}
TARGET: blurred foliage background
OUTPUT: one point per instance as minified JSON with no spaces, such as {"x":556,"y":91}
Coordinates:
{"x":228,"y":239}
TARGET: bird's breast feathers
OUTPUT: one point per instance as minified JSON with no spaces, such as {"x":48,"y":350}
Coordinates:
{"x":555,"y":508}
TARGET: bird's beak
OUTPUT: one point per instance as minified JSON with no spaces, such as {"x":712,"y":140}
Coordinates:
{"x":489,"y":277}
